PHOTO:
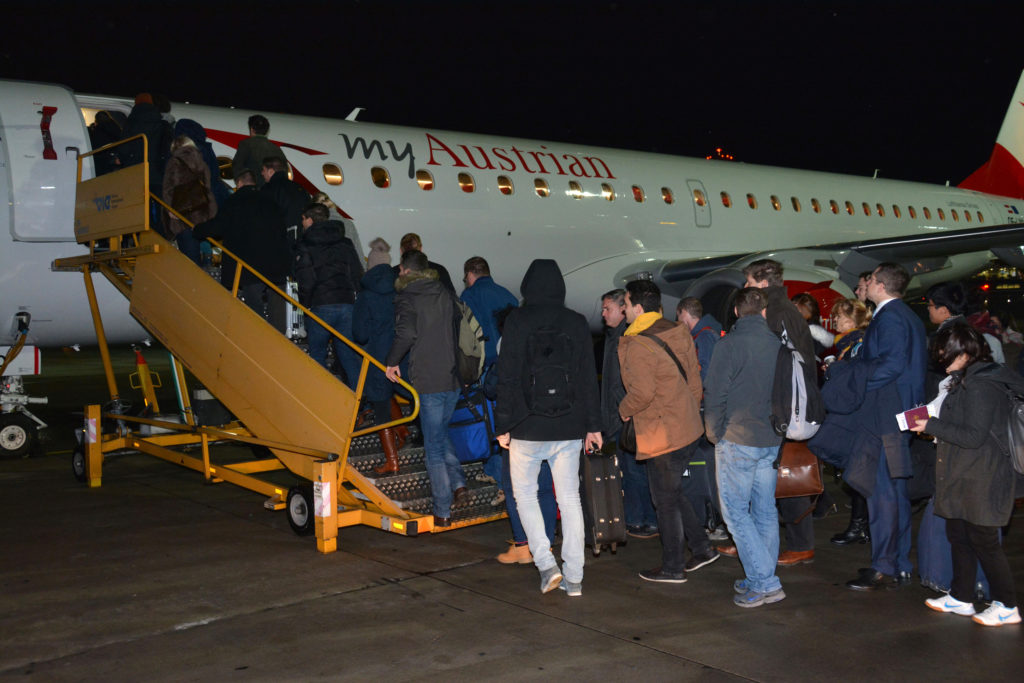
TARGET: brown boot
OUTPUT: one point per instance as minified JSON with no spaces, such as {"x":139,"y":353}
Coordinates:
{"x":401,"y":431}
{"x":516,"y":554}
{"x":387,"y":442}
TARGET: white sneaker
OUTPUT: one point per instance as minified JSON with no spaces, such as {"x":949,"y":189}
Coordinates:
{"x":998,"y":615}
{"x":947,"y":603}
{"x":549,"y":579}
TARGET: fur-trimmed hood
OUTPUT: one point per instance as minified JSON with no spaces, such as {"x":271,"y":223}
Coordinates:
{"x":404,"y":281}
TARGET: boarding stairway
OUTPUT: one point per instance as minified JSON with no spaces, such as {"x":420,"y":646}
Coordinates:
{"x":281,"y":398}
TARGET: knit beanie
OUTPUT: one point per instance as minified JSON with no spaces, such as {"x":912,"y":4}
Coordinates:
{"x":380,"y":253}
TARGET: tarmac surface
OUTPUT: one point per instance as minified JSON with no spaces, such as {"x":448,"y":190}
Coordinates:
{"x":156,"y":576}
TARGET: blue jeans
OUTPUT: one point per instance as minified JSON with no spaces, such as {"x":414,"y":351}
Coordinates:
{"x":545,"y":497}
{"x":746,"y":490}
{"x":443,"y":468}
{"x":636,"y":491}
{"x":563,"y":457}
{"x":338,"y":316}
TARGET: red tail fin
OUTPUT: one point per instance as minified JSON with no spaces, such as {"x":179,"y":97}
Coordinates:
{"x":1003,"y":174}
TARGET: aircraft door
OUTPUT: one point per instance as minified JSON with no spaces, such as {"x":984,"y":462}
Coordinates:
{"x":701,"y":204}
{"x":41,"y":134}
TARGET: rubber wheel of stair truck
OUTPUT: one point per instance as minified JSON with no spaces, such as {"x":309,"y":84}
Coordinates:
{"x":17,"y":434}
{"x":78,"y":463}
{"x":300,"y":510}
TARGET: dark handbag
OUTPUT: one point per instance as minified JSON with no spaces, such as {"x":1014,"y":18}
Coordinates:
{"x":799,"y":472}
{"x":627,"y":435}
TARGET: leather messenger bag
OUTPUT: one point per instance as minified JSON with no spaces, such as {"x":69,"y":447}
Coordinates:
{"x":799,"y":472}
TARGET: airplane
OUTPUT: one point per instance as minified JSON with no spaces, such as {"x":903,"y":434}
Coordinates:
{"x":606,"y":215}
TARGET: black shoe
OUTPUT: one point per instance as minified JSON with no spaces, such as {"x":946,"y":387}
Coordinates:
{"x":441,"y":522}
{"x":659,"y":576}
{"x":903,"y":579}
{"x":698,"y":561}
{"x":642,"y":531}
{"x":870,"y":581}
{"x":857,"y":532}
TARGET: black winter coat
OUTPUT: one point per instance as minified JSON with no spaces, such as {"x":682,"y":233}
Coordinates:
{"x":612,"y":390}
{"x":974,"y":478}
{"x":250,"y":225}
{"x":543,"y":291}
{"x":424,"y":313}
{"x":327,"y":267}
{"x":145,"y":119}
{"x":373,"y":326}
{"x":289,"y":197}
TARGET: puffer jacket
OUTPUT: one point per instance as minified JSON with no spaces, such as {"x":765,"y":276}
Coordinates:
{"x":664,"y":406}
{"x":327,"y":268}
{"x":974,"y":478}
{"x":424,"y":311}
{"x":543,"y":291}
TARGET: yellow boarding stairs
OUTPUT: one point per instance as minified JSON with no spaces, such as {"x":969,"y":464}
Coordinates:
{"x":282,"y":398}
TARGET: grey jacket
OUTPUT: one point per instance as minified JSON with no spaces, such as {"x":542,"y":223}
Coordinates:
{"x":738,"y":391}
{"x":424,"y":329}
{"x":612,"y":391}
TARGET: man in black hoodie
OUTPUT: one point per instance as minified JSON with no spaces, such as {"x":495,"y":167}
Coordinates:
{"x":548,"y":409}
{"x":328,"y":270}
{"x":289,"y":196}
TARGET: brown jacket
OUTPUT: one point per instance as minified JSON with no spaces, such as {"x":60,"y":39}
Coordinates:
{"x":666,"y":409}
{"x":185,"y":166}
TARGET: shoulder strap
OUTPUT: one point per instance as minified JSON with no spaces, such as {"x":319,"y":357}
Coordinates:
{"x":668,"y":350}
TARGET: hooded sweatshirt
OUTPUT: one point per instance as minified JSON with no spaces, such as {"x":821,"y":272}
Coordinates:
{"x":543,"y":291}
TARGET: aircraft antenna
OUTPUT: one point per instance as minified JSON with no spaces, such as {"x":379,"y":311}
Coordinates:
{"x":355,"y":112}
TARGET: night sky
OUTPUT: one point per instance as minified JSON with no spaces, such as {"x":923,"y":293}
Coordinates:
{"x":917,"y":90}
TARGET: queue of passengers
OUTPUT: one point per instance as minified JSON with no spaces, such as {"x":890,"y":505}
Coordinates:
{"x":691,"y":390}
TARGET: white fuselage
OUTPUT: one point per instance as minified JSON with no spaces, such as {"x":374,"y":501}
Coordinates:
{"x":608,"y":213}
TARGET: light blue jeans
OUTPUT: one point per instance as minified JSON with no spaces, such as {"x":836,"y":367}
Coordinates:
{"x":563,"y":457}
{"x":443,"y":468}
{"x":746,"y":490}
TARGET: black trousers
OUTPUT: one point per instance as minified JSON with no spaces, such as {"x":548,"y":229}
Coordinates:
{"x":799,"y":535}
{"x":678,"y":524}
{"x":973,"y":544}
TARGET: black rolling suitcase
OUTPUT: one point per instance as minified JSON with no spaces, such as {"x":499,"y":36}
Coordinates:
{"x":604,"y":518}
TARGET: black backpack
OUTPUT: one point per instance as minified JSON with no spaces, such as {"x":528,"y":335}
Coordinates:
{"x":549,"y":361}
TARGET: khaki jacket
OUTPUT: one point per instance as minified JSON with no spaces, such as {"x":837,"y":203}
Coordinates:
{"x":666,"y":409}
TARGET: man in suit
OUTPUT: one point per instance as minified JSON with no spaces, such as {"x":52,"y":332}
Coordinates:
{"x":896,"y":347}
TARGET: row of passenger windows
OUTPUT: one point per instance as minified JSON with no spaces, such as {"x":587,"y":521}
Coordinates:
{"x":425,"y":179}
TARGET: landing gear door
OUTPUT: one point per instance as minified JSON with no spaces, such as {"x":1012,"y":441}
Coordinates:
{"x":41,"y":134}
{"x":701,"y":204}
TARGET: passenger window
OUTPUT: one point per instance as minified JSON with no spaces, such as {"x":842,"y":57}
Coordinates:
{"x":942,"y":214}
{"x":607,"y":192}
{"x":833,"y":206}
{"x":981,"y":218}
{"x":380,"y":177}
{"x":849,"y":208}
{"x":866,"y":207}
{"x":425,"y":180}
{"x":751,"y":201}
{"x":912,"y":211}
{"x":967,"y":216}
{"x":333,"y":174}
{"x":466,"y":182}
{"x":540,"y":186}
{"x":776,"y":204}
{"x":505,"y":185}
{"x":575,"y":190}
{"x":224,"y":168}
{"x":726,"y":200}
{"x":666,"y":194}
{"x":896,"y":210}
{"x":796,"y":204}
{"x":956,"y":216}
{"x":638,"y":194}
{"x":881,"y":209}
{"x":699,"y":198}
{"x":927,"y":213}
{"x":816,"y":205}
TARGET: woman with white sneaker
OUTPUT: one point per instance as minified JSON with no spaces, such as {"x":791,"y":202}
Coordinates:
{"x":974,"y":477}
